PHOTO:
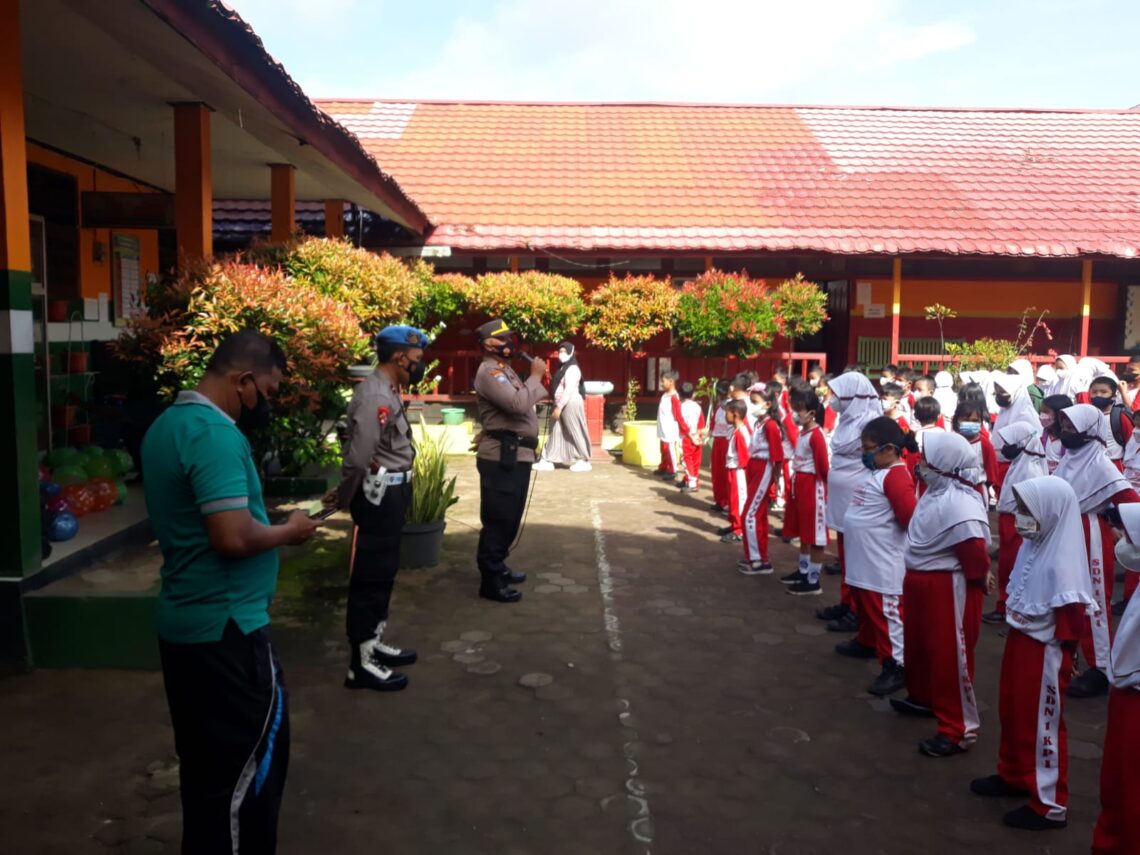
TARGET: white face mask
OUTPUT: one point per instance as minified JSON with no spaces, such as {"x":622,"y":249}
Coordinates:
{"x":1027,"y":526}
{"x":563,"y":356}
{"x":883,"y":381}
{"x":836,"y":403}
{"x":758,"y":409}
{"x":888,"y":405}
{"x":1062,"y":373}
{"x":814,"y":381}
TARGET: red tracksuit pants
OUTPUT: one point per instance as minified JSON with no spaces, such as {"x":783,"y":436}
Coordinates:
{"x":1118,"y":828}
{"x":1034,"y":753}
{"x":691,"y":454}
{"x":759,"y":478}
{"x":669,"y":457}
{"x":944,"y":618}
{"x":1009,"y":542}
{"x":880,"y":623}
{"x":1096,"y":640}
{"x":719,"y":473}
{"x":737,"y":499}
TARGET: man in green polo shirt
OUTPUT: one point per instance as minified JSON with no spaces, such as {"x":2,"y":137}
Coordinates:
{"x":223,"y":683}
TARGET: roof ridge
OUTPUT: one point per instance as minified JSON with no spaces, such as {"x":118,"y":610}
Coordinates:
{"x":902,"y":108}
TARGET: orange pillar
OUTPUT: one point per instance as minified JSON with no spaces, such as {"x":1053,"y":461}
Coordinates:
{"x":708,"y":263}
{"x":514,"y":264}
{"x":283,"y":200}
{"x":334,"y":218}
{"x":896,"y":305}
{"x":1086,"y":300}
{"x":193,"y":181}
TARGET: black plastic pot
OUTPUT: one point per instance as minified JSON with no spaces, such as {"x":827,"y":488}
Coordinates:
{"x":420,"y":544}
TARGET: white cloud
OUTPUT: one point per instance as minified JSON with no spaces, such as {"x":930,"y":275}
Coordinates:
{"x":674,"y":50}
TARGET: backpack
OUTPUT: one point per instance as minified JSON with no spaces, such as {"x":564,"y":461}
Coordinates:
{"x":1115,"y":419}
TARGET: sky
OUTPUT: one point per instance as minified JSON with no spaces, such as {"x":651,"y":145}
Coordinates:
{"x":970,"y":53}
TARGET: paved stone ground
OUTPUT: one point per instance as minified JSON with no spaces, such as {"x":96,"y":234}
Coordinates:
{"x":643,"y":697}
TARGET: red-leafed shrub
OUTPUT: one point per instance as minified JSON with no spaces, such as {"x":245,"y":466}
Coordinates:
{"x":624,"y":314}
{"x":726,"y":313}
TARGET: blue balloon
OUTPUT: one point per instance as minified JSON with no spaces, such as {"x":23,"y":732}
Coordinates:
{"x":64,"y":527}
{"x":49,"y":489}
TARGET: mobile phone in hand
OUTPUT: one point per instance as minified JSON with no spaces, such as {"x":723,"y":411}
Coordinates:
{"x":323,"y":514}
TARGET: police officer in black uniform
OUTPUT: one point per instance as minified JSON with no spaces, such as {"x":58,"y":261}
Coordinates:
{"x":376,"y":487}
{"x":505,"y":453}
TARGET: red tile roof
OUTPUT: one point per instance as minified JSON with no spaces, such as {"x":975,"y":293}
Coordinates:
{"x":602,"y":177}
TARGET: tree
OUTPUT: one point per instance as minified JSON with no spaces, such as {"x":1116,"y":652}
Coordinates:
{"x":940,"y":314}
{"x":539,"y":306}
{"x":624,"y":314}
{"x":801,"y":310}
{"x":722,"y":313}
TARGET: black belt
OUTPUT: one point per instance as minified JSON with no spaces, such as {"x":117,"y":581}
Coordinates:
{"x":530,"y":442}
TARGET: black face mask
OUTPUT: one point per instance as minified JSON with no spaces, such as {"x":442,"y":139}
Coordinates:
{"x":505,"y":351}
{"x":415,"y":372}
{"x":1003,"y":400}
{"x":1101,"y":403}
{"x":1010,"y":451}
{"x":1073,"y":441}
{"x":256,"y":417}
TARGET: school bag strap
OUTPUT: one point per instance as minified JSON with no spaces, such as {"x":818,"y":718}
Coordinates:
{"x":1115,"y":419}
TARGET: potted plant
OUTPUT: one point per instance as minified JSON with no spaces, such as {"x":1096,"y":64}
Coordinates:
{"x":433,"y":492}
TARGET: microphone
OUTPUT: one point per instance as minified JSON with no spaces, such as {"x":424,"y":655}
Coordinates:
{"x":525,"y":356}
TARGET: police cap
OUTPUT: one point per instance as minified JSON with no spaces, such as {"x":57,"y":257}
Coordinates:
{"x":494,"y":328}
{"x":401,"y":334}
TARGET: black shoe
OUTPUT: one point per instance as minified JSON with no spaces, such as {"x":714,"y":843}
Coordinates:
{"x":995,"y":786}
{"x":510,"y":577}
{"x":663,"y":475}
{"x":1027,"y":819}
{"x":393,"y":657}
{"x":848,"y":623}
{"x":906,"y":706}
{"x":855,"y":649}
{"x":793,"y":578}
{"x":805,"y":589}
{"x":994,"y":617}
{"x":832,"y":569}
{"x":495,"y":588}
{"x":731,"y":537}
{"x":892,"y":678}
{"x":832,"y":612}
{"x":939,"y":746}
{"x":1118,"y":608}
{"x":365,"y":673}
{"x":716,"y":509}
{"x":723,"y":531}
{"x":1091,"y":684}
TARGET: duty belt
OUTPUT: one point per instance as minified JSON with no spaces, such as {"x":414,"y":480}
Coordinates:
{"x":530,"y":442}
{"x":391,"y":479}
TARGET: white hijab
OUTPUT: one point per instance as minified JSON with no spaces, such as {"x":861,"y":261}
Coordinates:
{"x":856,"y":402}
{"x":1029,"y":464}
{"x":944,"y":393}
{"x":1124,"y":661}
{"x":1087,"y":469}
{"x":1052,"y":569}
{"x":1047,"y":373}
{"x":1024,"y":368}
{"x":951,"y":510}
{"x":1020,"y":408}
{"x":1063,"y":374}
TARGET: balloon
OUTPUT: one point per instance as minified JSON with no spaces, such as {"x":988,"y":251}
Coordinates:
{"x":80,"y":497}
{"x":58,"y":505}
{"x":49,"y":489}
{"x":65,"y":456}
{"x":104,"y":491}
{"x":100,"y":467}
{"x":93,"y":451}
{"x":123,"y":461}
{"x":67,"y":475}
{"x":63,"y":527}
{"x":121,"y":488}
{"x":45,"y":473}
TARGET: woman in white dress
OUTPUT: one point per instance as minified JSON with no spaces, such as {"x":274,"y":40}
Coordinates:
{"x":569,"y":440}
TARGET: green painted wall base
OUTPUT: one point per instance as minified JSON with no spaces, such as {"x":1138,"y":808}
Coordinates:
{"x":112,"y":631}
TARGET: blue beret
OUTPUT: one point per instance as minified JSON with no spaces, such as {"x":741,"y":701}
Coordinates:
{"x":402,"y":334}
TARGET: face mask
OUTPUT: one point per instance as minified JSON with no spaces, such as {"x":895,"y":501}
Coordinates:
{"x":883,"y":381}
{"x":415,"y":372}
{"x":970,"y":429}
{"x":758,"y":410}
{"x":1073,"y":441}
{"x":255,"y":417}
{"x":1062,"y":373}
{"x":1003,"y":400}
{"x":838,"y":404}
{"x":813,"y":382}
{"x":1046,"y":421}
{"x":563,"y":356}
{"x":888,"y":405}
{"x":1009,"y":452}
{"x":1128,"y":554}
{"x":1101,"y":403}
{"x":1026,"y":526}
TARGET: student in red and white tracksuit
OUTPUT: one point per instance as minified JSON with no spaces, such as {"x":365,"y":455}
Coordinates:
{"x":874,"y":529}
{"x":1104,"y":394}
{"x":736,"y":468}
{"x":805,"y":515}
{"x":1118,"y":828}
{"x":947,"y":574}
{"x":669,"y":424}
{"x":1049,"y":595}
{"x":970,"y":421}
{"x":1021,"y":443}
{"x":1099,"y":485}
{"x":928,"y":414}
{"x":719,"y":449}
{"x":765,"y":462}
{"x":692,"y":440}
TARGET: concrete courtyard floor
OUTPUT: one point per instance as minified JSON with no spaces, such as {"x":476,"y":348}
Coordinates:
{"x":643,"y":697}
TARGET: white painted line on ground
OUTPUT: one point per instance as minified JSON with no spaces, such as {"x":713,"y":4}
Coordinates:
{"x":641,"y":826}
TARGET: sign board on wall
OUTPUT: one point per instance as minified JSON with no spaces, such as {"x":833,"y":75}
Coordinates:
{"x":874,"y":310}
{"x":1132,"y":317}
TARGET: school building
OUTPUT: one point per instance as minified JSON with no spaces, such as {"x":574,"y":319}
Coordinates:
{"x":136,"y":134}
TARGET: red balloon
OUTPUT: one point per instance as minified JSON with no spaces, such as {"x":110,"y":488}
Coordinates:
{"x":104,"y":491}
{"x":80,"y":497}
